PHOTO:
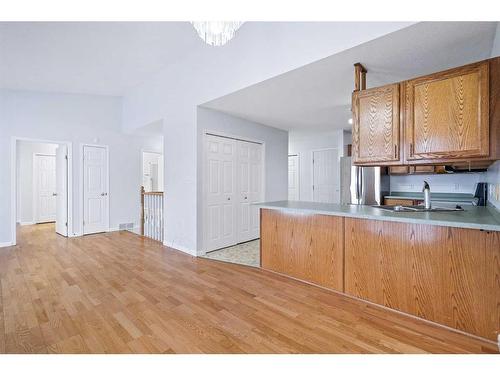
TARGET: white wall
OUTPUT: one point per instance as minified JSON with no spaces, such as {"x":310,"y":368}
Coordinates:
{"x":303,"y":144}
{"x":261,"y":52}
{"x":24,"y":172}
{"x":276,"y":154}
{"x":496,"y":43}
{"x":440,"y":183}
{"x":79,"y":119}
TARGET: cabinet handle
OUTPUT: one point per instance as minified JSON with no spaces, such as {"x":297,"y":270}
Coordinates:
{"x":395,"y":151}
{"x":411,"y":149}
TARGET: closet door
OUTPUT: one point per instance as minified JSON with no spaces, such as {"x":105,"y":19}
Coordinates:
{"x":249,"y":167}
{"x":220,"y":189}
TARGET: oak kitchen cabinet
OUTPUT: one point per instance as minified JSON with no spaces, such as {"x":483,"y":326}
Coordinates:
{"x":304,"y":246}
{"x":446,"y":114}
{"x":445,"y":117}
{"x":446,"y":275}
{"x":376,"y":126}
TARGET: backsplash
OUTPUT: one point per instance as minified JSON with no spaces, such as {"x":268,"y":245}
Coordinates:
{"x":493,"y":179}
{"x":439,"y":183}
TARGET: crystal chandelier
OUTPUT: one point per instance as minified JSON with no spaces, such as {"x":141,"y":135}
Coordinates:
{"x":216,"y":33}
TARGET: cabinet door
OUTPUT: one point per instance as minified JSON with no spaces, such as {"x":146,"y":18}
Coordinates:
{"x":376,"y":125}
{"x":446,"y":114}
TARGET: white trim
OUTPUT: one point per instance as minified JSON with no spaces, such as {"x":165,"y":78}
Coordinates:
{"x":106,"y":147}
{"x":13,"y":182}
{"x":207,"y":132}
{"x":6,"y":244}
{"x":23,"y":223}
{"x":182,"y":249}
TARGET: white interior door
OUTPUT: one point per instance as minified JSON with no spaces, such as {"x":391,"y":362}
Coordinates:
{"x":326,"y":184}
{"x":95,"y":189}
{"x":62,"y":190}
{"x":219,"y":185}
{"x":45,"y":188}
{"x":249,"y":186}
{"x":293,"y":177}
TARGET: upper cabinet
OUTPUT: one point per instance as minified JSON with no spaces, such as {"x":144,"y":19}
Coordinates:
{"x":442,"y":118}
{"x":446,"y":114}
{"x":376,"y":136}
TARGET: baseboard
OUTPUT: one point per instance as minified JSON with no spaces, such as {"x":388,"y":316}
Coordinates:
{"x":5,"y":244}
{"x":181,"y":248}
{"x":116,"y":229}
{"x":22,"y":223}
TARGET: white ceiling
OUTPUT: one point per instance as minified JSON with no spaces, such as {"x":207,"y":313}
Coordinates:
{"x":89,"y":57}
{"x":112,"y":58}
{"x":317,"y":96}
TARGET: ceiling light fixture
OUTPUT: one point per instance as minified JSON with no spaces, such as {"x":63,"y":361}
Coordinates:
{"x":216,"y":33}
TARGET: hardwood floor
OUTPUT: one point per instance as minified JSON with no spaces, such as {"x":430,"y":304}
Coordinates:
{"x":120,"y":293}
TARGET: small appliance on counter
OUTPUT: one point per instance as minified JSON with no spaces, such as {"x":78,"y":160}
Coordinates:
{"x":481,"y":194}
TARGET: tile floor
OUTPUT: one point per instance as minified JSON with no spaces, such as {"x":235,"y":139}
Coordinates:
{"x":247,"y":253}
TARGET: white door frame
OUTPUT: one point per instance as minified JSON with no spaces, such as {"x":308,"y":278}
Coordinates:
{"x":203,"y":171}
{"x":13,"y":182}
{"x":312,"y":166}
{"x":82,"y":145}
{"x":35,"y":190}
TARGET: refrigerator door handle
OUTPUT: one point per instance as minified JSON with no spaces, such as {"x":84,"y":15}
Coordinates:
{"x":361,"y":187}
{"x":358,"y":184}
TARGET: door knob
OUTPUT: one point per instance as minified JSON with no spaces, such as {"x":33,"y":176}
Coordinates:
{"x":54,"y":194}
{"x":103,"y":194}
{"x":228,"y":198}
{"x":246,"y":197}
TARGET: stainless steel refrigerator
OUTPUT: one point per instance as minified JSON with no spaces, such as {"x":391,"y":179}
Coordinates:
{"x":362,"y":185}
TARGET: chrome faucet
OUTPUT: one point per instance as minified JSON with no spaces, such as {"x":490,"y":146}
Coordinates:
{"x":427,"y":195}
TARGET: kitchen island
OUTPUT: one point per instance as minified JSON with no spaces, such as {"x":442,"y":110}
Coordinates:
{"x":440,"y":266}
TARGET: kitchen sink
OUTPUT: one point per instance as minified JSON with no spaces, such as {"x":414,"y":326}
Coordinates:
{"x":419,"y":208}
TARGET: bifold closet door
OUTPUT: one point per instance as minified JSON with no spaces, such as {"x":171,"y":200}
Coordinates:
{"x":232,"y":183}
{"x":219,"y":185}
{"x":249,"y":185}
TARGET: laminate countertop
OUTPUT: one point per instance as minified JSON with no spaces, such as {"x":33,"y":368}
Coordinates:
{"x":484,"y":218}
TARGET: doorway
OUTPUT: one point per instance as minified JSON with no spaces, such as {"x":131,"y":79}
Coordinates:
{"x":41,"y":186}
{"x":44,"y":187}
{"x":293,"y":178}
{"x":326,"y":180}
{"x":152,"y":171}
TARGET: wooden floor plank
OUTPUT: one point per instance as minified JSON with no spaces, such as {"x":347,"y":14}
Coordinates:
{"x":121,"y":293}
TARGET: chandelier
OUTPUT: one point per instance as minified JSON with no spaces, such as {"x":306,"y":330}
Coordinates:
{"x":216,"y":33}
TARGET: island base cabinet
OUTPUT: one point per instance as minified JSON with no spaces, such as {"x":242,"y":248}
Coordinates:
{"x":446,"y":275}
{"x":305,"y":246}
